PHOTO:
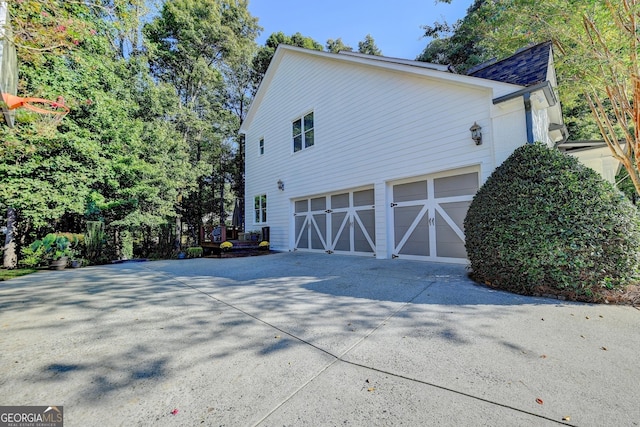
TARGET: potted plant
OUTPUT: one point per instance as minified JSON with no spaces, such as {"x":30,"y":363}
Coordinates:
{"x":263,"y":246}
{"x":55,"y":248}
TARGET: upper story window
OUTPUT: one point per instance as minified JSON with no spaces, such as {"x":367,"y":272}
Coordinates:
{"x":261,"y":146}
{"x":303,"y":132}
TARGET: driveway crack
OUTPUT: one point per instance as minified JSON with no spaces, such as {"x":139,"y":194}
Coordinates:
{"x":341,"y":357}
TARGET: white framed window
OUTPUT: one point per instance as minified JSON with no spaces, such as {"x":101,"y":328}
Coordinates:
{"x":302,"y":132}
{"x":260,"y":209}
{"x":261,"y":146}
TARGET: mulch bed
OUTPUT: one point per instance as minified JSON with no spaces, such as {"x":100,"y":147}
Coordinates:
{"x":629,"y":295}
{"x":240,"y":253}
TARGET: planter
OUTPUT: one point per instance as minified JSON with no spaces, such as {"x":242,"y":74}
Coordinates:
{"x":76,"y":263}
{"x":59,"y":264}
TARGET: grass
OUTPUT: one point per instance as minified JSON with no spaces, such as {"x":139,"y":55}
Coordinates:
{"x":10,"y":274}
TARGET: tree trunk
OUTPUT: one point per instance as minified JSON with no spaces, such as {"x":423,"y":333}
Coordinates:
{"x":178,"y":240}
{"x":10,"y":254}
{"x":117,"y":244}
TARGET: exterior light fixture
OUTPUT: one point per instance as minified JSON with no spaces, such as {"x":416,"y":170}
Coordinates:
{"x":280,"y":185}
{"x":476,"y":133}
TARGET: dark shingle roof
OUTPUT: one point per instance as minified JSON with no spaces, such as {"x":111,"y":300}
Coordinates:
{"x":525,"y":68}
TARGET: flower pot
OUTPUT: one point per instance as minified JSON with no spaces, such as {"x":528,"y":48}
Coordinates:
{"x":59,"y":264}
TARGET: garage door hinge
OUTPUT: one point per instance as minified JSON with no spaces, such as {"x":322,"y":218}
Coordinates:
{"x":393,"y":205}
{"x":394,"y":256}
{"x":328,"y":211}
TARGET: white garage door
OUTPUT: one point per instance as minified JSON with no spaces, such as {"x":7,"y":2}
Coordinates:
{"x":428,"y":216}
{"x":342,"y":222}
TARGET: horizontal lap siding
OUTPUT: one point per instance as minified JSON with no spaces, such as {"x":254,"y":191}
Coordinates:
{"x":371,"y":126}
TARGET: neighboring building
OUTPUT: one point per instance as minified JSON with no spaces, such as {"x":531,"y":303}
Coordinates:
{"x":369,"y":155}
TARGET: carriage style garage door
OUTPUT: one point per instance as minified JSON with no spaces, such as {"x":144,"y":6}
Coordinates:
{"x":428,"y":216}
{"x":342,"y":222}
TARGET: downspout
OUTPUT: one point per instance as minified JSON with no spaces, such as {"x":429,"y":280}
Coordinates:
{"x":528,"y":116}
{"x":525,"y":93}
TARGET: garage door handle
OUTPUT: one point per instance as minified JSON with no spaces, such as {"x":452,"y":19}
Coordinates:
{"x":393,"y":205}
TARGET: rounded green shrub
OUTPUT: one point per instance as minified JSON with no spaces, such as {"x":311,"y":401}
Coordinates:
{"x":545,"y":224}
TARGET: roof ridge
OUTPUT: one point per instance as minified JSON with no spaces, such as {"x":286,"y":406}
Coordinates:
{"x":410,"y":62}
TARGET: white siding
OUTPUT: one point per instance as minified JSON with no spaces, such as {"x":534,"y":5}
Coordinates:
{"x":509,"y":126}
{"x":541,"y":127}
{"x":600,"y":160}
{"x":371,"y":126}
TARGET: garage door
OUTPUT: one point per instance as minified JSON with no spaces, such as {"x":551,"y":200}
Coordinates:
{"x":342,"y":222}
{"x":428,"y":216}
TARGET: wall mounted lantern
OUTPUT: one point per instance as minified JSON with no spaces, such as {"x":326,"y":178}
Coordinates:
{"x":476,"y":133}
{"x":280,"y":185}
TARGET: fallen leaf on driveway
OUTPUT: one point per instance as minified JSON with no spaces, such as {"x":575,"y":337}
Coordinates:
{"x":566,"y":418}
{"x":371,"y":389}
{"x":604,"y":348}
{"x":174,"y":412}
{"x":539,"y":401}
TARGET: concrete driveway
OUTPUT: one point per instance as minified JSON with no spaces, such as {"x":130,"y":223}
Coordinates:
{"x":310,"y":339}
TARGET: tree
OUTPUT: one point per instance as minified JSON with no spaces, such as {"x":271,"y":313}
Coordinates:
{"x":114,"y":158}
{"x":337,"y":46}
{"x":457,"y":44}
{"x":597,"y":60}
{"x":196,"y":47}
{"x":368,"y":46}
{"x":265,"y":53}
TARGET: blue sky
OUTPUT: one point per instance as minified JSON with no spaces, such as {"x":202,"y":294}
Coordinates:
{"x":393,"y":24}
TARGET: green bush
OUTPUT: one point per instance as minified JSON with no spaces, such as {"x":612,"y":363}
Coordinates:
{"x":544,"y":223}
{"x":194,"y":252}
{"x":52,"y":247}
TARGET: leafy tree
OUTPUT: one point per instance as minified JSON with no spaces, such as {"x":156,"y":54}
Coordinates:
{"x":46,"y":26}
{"x":336,"y":46}
{"x":265,"y":53}
{"x":125,"y":17}
{"x":457,"y":44}
{"x":114,"y":158}
{"x":368,"y":46}
{"x":196,"y":47}
{"x":597,"y":60}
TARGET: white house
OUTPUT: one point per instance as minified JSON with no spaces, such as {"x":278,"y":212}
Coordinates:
{"x":366,"y":155}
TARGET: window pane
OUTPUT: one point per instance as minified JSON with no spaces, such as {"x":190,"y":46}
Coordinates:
{"x":308,"y":138}
{"x":297,"y":127}
{"x":256,"y":202}
{"x":264,"y":215}
{"x":262,"y":146}
{"x":264,"y":201}
{"x":257,"y":217}
{"x":297,"y":143}
{"x":308,"y":121}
